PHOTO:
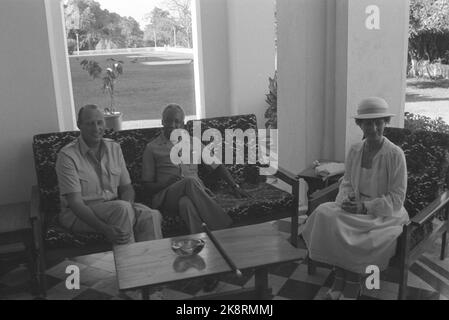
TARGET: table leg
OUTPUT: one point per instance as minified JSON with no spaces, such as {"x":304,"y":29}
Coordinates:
{"x":261,"y":283}
{"x":145,"y":293}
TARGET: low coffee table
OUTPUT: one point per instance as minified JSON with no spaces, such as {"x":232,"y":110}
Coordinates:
{"x":145,"y":264}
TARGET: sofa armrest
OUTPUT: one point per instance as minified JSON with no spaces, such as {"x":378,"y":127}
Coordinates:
{"x":287,"y":176}
{"x":433,"y":208}
{"x":327,"y":194}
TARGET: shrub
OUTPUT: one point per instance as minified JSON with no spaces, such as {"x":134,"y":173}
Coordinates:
{"x":419,"y":122}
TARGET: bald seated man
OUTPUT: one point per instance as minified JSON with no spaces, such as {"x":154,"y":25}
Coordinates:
{"x":177,"y":189}
{"x":95,"y":187}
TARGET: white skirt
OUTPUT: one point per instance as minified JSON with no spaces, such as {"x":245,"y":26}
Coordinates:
{"x":351,"y":241}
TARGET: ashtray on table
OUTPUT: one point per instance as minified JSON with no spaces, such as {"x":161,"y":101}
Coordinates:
{"x":187,"y":247}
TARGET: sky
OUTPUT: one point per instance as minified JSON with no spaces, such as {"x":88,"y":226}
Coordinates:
{"x":134,"y":8}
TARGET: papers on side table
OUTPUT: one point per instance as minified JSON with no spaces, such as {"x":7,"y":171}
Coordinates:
{"x":329,"y":169}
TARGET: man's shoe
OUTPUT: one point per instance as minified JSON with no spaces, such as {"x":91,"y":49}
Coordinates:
{"x":210,"y":284}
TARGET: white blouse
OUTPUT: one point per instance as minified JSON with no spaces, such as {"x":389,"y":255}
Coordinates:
{"x":388,"y":190}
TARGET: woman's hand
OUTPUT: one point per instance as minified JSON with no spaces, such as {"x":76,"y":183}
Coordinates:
{"x":353,"y":207}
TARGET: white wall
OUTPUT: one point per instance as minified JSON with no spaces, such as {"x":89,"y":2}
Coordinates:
{"x":237,"y":50}
{"x":213,"y":36}
{"x":302,"y":68}
{"x":377,"y":59}
{"x":28,"y":104}
{"x":328,"y":61}
{"x":60,"y":65}
{"x":251,"y":55}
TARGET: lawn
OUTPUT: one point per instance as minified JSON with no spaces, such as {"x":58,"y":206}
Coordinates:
{"x":428,"y":97}
{"x":143,"y":90}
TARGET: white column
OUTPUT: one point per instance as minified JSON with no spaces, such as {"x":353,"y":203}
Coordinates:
{"x":328,"y":60}
{"x":377,"y":57}
{"x":213,"y":55}
{"x":251,"y":55}
{"x":60,"y":65}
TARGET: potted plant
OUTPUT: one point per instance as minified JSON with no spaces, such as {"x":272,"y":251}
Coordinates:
{"x":114,"y":69}
{"x":271,"y":111}
{"x":271,"y":98}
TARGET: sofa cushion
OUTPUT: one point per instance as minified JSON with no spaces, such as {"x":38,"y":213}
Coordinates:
{"x":265,"y":199}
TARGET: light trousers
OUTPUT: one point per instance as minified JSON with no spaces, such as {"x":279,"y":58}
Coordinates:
{"x":141,"y":222}
{"x":189,"y":198}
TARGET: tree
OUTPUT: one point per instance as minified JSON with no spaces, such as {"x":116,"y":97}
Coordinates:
{"x":429,"y":22}
{"x":130,"y":31}
{"x":94,"y":26}
{"x":428,"y":32}
{"x":160,"y":26}
{"x":182,"y":12}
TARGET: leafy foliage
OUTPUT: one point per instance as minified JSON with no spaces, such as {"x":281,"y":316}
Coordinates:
{"x":114,"y":69}
{"x":160,"y":27}
{"x":428,"y":29}
{"x":271,"y":99}
{"x":415,"y":122}
{"x":97,"y":28}
{"x":182,"y":16}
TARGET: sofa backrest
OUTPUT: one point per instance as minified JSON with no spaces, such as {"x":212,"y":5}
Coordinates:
{"x":426,"y":154}
{"x":242,"y":173}
{"x":47,"y":146}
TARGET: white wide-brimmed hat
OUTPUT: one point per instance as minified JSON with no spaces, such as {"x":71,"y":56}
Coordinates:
{"x":373,"y":108}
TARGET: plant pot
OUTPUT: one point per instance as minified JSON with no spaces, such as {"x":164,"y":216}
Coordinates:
{"x":113,"y":121}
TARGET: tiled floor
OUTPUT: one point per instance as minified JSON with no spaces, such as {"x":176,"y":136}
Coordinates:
{"x":428,"y":280}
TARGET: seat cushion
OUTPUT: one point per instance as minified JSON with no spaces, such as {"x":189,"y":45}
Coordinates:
{"x":266,"y":202}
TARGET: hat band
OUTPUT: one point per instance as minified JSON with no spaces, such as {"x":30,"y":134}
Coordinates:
{"x":371,"y":110}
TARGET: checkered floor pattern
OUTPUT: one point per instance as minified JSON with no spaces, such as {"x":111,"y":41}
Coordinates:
{"x":428,"y":280}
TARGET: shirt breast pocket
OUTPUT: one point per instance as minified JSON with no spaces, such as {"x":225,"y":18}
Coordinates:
{"x":88,"y":186}
{"x":115,"y":174}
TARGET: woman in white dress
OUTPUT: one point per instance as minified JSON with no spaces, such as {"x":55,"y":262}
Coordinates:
{"x":361,"y":227}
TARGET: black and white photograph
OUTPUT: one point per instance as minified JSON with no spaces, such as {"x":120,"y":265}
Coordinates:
{"x":228,"y":156}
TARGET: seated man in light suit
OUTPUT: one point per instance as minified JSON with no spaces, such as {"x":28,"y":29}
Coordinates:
{"x":95,"y":187}
{"x":176,"y":188}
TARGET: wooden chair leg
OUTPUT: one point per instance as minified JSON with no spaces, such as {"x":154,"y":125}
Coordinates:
{"x":294,"y":230}
{"x":311,"y":266}
{"x":403,"y":262}
{"x":443,"y":245}
{"x":444,"y":236}
{"x":402,"y":294}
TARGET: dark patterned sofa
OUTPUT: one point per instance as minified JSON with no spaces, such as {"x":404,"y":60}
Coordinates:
{"x":267,"y":202}
{"x":426,"y":200}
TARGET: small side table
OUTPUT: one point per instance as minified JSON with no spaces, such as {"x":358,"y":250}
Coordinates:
{"x":15,"y":227}
{"x":315,"y":181}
